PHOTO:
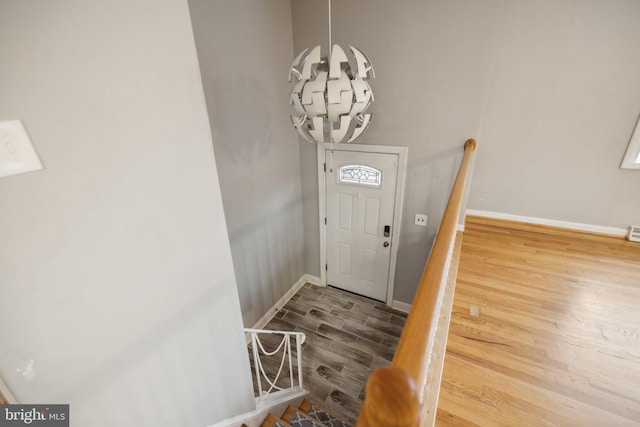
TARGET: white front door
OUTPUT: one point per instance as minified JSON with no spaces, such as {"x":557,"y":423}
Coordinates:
{"x":360,"y":197}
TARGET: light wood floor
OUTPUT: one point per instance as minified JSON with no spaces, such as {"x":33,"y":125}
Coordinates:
{"x":557,"y":341}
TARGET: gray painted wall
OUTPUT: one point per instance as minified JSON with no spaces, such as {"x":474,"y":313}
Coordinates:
{"x":116,"y":276}
{"x":550,"y":90}
{"x":561,"y":106}
{"x":245,"y":50}
{"x":427,"y":98}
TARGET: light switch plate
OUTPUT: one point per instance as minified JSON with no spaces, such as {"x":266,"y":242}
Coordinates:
{"x":17,"y":154}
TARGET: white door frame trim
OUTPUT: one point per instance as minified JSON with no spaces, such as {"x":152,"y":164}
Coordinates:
{"x":397,"y":214}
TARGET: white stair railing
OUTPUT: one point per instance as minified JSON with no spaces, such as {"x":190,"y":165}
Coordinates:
{"x":283,"y":347}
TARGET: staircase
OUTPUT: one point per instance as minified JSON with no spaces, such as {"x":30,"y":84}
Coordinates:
{"x":308,"y":414}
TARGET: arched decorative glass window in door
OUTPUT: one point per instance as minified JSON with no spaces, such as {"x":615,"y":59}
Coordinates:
{"x":360,"y":174}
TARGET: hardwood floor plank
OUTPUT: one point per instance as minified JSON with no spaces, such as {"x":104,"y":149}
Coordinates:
{"x":336,"y":334}
{"x":548,"y":408}
{"x":369,"y":310}
{"x":385,"y":327}
{"x":278,"y":324}
{"x":390,"y":340}
{"x":397,"y":320}
{"x":315,"y":303}
{"x":557,"y":341}
{"x":392,"y":311}
{"x":358,"y":372}
{"x":330,"y":290}
{"x":347,"y":337}
{"x":336,"y":301}
{"x":379,"y":362}
{"x":298,"y":307}
{"x":327,"y":318}
{"x":314,"y":338}
{"x":334,"y":379}
{"x":352,"y":353}
{"x":346,"y":402}
{"x":310,"y":291}
{"x":350,"y":315}
{"x":302,"y":321}
{"x":325,"y":356}
{"x":375,"y":349}
{"x":355,"y":298}
{"x":361,"y":330}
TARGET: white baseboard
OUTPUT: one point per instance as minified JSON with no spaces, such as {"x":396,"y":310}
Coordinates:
{"x":551,"y":222}
{"x":401,"y":306}
{"x":313,"y":280}
{"x":306,"y":278}
{"x":461,"y":227}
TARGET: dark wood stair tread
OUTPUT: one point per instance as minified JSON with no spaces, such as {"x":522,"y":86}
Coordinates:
{"x":273,"y":421}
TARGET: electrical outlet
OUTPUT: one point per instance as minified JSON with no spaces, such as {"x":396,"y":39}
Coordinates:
{"x":421,"y":220}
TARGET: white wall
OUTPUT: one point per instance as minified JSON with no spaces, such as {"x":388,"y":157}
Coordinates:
{"x":550,"y":90}
{"x":115,"y":268}
{"x":245,"y":50}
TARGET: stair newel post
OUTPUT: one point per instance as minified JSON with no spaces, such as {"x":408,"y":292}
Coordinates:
{"x":391,"y":400}
{"x":254,"y":347}
{"x":290,"y":361}
{"x":299,"y":340}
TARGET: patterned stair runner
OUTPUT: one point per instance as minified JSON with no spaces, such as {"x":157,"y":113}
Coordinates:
{"x":297,"y":418}
{"x":322,"y":415}
{"x":308,"y":415}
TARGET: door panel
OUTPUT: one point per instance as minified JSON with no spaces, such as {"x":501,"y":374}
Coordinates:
{"x":371,"y":216}
{"x":346,"y":209}
{"x":368,"y":265}
{"x":361,"y":190}
{"x":344,"y":259}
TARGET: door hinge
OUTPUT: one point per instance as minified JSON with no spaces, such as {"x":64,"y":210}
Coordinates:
{"x":325,"y":220}
{"x":326,"y":267}
{"x":325,"y":167}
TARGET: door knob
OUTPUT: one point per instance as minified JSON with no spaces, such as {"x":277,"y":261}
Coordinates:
{"x":385,"y":244}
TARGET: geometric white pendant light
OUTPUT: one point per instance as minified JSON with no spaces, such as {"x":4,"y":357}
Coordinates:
{"x":331,"y":93}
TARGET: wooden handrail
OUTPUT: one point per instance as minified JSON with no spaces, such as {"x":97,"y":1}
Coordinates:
{"x":395,"y":395}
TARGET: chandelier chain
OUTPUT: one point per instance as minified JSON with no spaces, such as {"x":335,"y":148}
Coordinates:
{"x":329,"y":29}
